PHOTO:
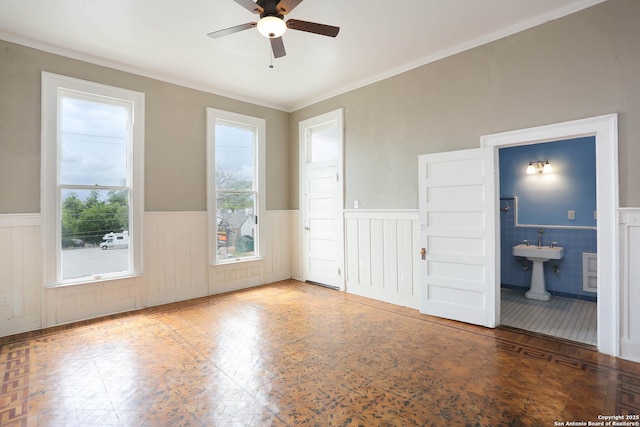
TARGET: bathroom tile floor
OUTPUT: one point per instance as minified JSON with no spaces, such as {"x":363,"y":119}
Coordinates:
{"x":294,"y":354}
{"x":566,"y":318}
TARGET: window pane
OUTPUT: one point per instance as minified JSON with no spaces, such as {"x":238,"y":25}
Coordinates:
{"x":94,"y":230}
{"x":235,"y":161}
{"x":93,"y":143}
{"x":323,"y":144}
{"x":236,"y":227}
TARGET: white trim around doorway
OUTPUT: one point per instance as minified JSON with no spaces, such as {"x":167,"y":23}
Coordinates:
{"x":605,"y":130}
{"x":337,"y":117}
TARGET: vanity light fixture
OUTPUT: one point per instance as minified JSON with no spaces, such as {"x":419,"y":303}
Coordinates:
{"x":539,"y":166}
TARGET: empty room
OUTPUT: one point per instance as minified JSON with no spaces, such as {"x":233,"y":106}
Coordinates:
{"x":310,"y":213}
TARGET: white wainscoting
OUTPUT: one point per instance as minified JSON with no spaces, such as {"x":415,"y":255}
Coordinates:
{"x":273,"y":266}
{"x":20,"y":274}
{"x":630,"y":284}
{"x":277,"y":234}
{"x":175,"y":256}
{"x":295,"y":228}
{"x":176,"y":268}
{"x":66,"y":304}
{"x":383,"y":255}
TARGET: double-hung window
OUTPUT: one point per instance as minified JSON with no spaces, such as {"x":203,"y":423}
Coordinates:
{"x":92,"y":146}
{"x":235,"y":149}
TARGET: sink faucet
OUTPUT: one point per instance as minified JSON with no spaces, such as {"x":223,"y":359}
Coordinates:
{"x":540,"y":233}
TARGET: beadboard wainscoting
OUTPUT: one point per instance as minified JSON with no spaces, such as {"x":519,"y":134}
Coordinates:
{"x":66,"y":304}
{"x":273,"y":266}
{"x":175,"y":256}
{"x":176,"y":268}
{"x":630,"y":284}
{"x":281,"y":244}
{"x":382,"y":259}
{"x":20,"y":277}
{"x":383,"y":255}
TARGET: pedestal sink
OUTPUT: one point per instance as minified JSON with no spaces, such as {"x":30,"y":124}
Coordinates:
{"x":538,"y":255}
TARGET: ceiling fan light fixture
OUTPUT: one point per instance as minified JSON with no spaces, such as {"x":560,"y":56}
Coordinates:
{"x":271,"y":26}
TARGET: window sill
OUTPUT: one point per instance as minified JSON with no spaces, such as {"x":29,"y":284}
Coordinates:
{"x":236,"y":261}
{"x":88,"y":281}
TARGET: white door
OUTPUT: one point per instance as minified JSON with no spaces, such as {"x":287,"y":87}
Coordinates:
{"x":321,"y":199}
{"x":457,"y":206}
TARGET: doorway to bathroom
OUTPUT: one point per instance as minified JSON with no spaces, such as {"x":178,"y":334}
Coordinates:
{"x":548,"y":205}
{"x":604,"y":130}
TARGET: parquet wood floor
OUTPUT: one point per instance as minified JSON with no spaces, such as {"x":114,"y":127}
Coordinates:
{"x":293,"y":354}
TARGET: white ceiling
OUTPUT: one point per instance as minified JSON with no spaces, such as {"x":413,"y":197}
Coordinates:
{"x":166,"y":39}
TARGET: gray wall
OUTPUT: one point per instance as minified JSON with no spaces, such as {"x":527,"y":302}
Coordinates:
{"x":583,"y":65}
{"x":586,"y":64}
{"x":175,"y":143}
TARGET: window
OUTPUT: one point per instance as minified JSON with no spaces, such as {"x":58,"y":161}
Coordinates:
{"x":323,"y":143}
{"x":235,"y":185}
{"x":91,"y":180}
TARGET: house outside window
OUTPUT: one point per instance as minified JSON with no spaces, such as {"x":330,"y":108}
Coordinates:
{"x":235,"y":185}
{"x":91,"y":180}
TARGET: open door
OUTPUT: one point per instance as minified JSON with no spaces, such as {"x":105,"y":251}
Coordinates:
{"x":457,"y":211}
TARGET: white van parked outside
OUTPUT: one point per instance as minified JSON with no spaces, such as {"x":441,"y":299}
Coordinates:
{"x":115,"y":240}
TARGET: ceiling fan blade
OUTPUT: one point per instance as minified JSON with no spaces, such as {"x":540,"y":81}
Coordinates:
{"x":231,"y":30}
{"x":250,"y":5}
{"x":277,"y":46}
{"x":312,"y":27}
{"x":286,"y":6}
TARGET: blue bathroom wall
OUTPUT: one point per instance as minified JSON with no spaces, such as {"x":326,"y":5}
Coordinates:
{"x":545,"y":199}
{"x":569,"y":190}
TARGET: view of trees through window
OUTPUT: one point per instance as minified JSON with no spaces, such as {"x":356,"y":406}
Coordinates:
{"x":235,"y":190}
{"x":93,"y":186}
{"x":87,"y":221}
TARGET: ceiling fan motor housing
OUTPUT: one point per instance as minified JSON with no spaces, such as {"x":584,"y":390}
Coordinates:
{"x":269,"y":10}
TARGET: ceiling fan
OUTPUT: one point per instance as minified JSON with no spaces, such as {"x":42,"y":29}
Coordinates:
{"x":272,"y":24}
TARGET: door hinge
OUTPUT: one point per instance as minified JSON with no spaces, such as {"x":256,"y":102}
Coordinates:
{"x":337,"y":177}
{"x":339,"y":272}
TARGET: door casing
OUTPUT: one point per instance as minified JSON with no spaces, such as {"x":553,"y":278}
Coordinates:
{"x":605,"y":130}
{"x":338,"y":117}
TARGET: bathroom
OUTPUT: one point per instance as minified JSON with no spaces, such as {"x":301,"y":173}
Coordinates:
{"x":548,"y":194}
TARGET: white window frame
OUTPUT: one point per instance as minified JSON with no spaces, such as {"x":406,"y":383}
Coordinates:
{"x":213,"y":116}
{"x":53,"y":86}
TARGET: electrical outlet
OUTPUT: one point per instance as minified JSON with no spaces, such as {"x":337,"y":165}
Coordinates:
{"x":4,"y":299}
{"x":571,"y":215}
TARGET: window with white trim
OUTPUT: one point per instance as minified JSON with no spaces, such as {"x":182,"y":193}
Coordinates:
{"x":92,"y":204}
{"x":235,"y":147}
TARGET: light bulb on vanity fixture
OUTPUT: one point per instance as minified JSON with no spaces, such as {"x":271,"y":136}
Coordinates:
{"x":539,"y":166}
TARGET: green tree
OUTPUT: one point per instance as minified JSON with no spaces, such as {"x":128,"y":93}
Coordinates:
{"x":234,"y":202}
{"x":100,"y":219}
{"x":72,"y":208}
{"x":92,"y":199}
{"x":119,"y":197}
{"x":92,"y":219}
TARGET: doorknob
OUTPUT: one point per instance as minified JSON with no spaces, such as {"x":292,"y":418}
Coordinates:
{"x":306,"y":228}
{"x":423,"y":253}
